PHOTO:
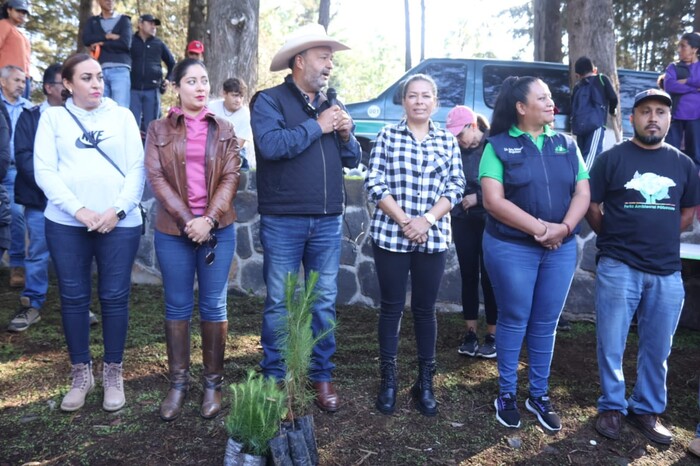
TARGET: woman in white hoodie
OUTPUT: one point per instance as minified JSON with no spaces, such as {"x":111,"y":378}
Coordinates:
{"x":88,"y":159}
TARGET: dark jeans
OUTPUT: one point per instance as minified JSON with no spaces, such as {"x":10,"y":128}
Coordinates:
{"x":591,"y":144}
{"x":467,"y":233}
{"x":145,"y":105}
{"x":392,"y":272}
{"x":72,"y":251}
{"x":179,"y":259}
{"x":686,"y":133}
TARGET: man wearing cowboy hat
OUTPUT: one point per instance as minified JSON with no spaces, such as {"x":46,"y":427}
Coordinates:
{"x":303,"y":140}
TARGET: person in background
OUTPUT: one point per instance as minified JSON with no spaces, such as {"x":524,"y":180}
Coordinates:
{"x":147,"y":53}
{"x":195,"y":183}
{"x":12,"y":85}
{"x":414,"y":177}
{"x":234,"y":109}
{"x":529,"y":244}
{"x":108,"y":36}
{"x":468,"y":219}
{"x":88,"y":160}
{"x":5,"y":212}
{"x":682,"y":82}
{"x":302,"y":143}
{"x":591,"y":143}
{"x":643,"y":194}
{"x":15,"y":48}
{"x":195,"y":50}
{"x":32,"y":198}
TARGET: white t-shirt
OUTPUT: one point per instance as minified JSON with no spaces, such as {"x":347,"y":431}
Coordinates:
{"x":241,"y":126}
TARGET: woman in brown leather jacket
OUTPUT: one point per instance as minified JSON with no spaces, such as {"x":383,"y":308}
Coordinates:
{"x":193,"y":166}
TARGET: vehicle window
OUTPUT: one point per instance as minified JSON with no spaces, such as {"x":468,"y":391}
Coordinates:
{"x":557,"y":80}
{"x":451,"y":79}
{"x":630,"y":85}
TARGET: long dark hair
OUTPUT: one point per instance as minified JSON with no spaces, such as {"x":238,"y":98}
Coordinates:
{"x":513,"y":90}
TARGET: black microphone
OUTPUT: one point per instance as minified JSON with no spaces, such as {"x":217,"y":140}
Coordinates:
{"x":332,"y":95}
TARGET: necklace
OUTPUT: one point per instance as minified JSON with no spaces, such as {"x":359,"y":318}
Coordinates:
{"x":226,"y":112}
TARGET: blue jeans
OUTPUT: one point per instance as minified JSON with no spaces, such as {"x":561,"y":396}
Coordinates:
{"x":118,"y":84}
{"x":392,"y":273}
{"x":72,"y":250}
{"x":288,"y":241}
{"x":18,"y":245}
{"x":37,"y":262}
{"x":657,"y":299}
{"x":530,"y":284}
{"x":145,"y":105}
{"x":179,"y":259}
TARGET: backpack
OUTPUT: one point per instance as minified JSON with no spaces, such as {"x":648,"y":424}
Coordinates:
{"x":588,"y":106}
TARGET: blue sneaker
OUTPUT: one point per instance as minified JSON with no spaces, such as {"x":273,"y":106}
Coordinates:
{"x":507,"y":410}
{"x":542,"y":408}
{"x":470,"y":345}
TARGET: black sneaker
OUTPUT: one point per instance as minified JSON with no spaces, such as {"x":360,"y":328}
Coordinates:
{"x":470,"y":345}
{"x":488,"y":349}
{"x":507,"y":410}
{"x":542,"y":408}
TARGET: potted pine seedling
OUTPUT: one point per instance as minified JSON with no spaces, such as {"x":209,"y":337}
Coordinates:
{"x":296,"y":442}
{"x":258,"y":405}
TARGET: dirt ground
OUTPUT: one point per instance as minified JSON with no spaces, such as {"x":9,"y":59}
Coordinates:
{"x":34,"y":372}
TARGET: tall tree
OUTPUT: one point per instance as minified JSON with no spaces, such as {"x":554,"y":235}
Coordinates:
{"x":85,"y":10}
{"x":422,"y":30}
{"x":324,"y":13}
{"x":197,"y":26}
{"x":407,"y":17}
{"x":548,"y":31}
{"x":233,"y":27}
{"x":591,"y":34}
{"x":696,"y":16}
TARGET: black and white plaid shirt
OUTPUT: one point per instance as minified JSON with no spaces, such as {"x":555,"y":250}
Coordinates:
{"x":417,"y":174}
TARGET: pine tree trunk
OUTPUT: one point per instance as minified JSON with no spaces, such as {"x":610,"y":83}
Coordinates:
{"x":196,"y":26}
{"x":324,"y":13}
{"x":407,"y":18}
{"x":590,"y":27}
{"x":233,"y":27}
{"x":84,"y":12}
{"x":547,"y":31}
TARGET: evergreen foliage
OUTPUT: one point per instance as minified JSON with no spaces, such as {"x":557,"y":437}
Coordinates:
{"x":257,"y":407}
{"x":296,"y":340}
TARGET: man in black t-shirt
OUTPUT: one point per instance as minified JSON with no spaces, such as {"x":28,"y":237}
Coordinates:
{"x":643,"y":193}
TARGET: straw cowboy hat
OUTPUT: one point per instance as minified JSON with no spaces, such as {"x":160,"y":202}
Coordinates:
{"x":304,"y":38}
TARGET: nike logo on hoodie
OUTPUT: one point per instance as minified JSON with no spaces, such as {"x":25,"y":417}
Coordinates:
{"x":82,"y":142}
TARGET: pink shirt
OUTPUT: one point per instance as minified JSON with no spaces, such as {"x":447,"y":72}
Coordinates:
{"x":195,"y":166}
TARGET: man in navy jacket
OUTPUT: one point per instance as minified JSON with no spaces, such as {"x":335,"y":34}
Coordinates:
{"x":147,"y":53}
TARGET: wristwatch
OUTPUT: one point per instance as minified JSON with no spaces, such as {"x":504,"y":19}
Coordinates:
{"x":121,"y":215}
{"x":430,"y":218}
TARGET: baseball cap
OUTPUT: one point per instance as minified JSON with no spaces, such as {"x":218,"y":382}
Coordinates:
{"x":22,"y":5}
{"x":655,"y":94}
{"x":458,"y":118}
{"x":150,"y":18}
{"x":195,"y":46}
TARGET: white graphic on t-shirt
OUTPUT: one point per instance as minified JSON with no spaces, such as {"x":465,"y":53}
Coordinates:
{"x":650,"y":185}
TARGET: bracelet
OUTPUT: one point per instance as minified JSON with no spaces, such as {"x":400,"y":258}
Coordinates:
{"x":568,"y":228}
{"x":209,"y":220}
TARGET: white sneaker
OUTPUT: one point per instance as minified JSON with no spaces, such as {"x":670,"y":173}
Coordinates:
{"x":113,"y":384}
{"x":83,"y":383}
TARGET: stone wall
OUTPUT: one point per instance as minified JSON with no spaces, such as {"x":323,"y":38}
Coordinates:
{"x":357,"y":282}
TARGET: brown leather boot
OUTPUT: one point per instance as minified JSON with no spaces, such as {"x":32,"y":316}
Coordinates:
{"x":213,"y":347}
{"x":177,"y":338}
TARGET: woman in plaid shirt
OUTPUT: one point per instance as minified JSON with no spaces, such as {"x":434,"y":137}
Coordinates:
{"x":415,"y":178}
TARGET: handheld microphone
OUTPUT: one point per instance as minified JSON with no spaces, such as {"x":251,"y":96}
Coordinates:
{"x":332,"y":95}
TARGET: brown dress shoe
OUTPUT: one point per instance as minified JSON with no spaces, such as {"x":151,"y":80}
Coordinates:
{"x":16,"y":277}
{"x":326,"y":397}
{"x":650,"y":426}
{"x":609,"y":424}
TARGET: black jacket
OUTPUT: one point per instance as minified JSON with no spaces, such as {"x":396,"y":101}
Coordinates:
{"x":27,"y":193}
{"x":5,"y":213}
{"x":146,"y":70}
{"x":113,"y":51}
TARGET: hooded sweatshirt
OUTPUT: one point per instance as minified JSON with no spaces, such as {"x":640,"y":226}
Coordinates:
{"x":73,"y":174}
